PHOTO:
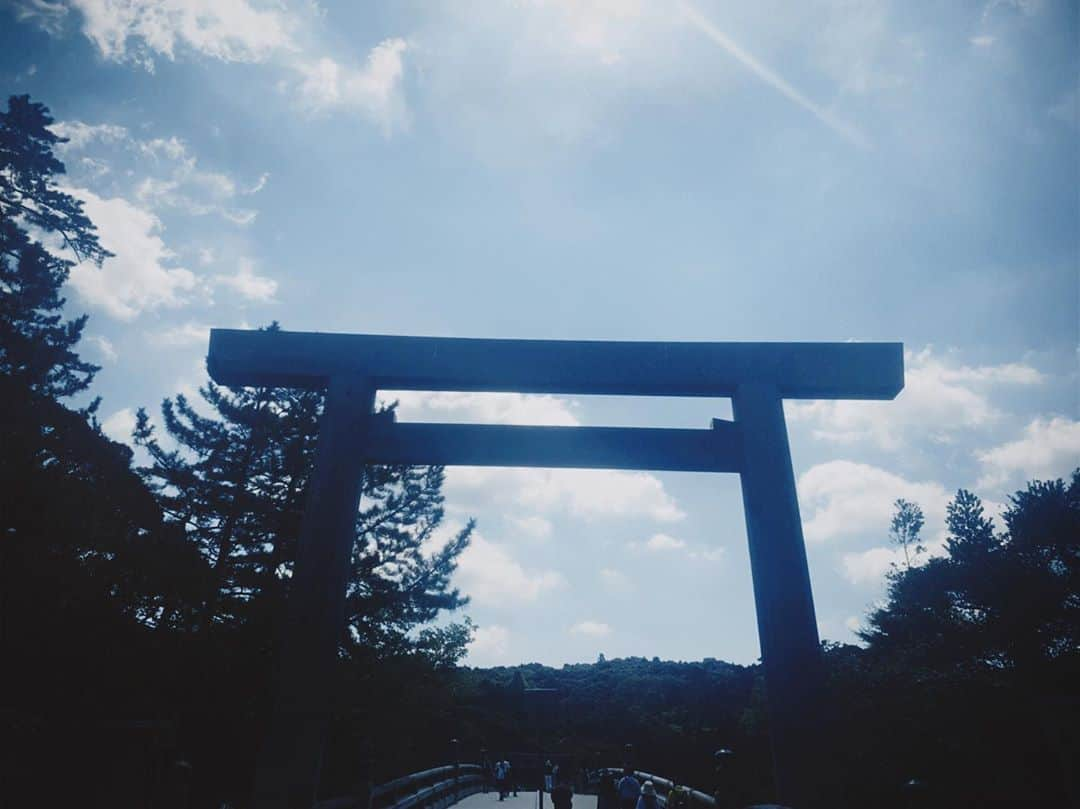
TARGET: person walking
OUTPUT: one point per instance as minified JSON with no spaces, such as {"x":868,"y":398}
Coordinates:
{"x":606,"y":795}
{"x":500,"y":778}
{"x":549,"y":776}
{"x":647,"y":799}
{"x":562,"y":796}
{"x":511,"y":779}
{"x":629,"y":789}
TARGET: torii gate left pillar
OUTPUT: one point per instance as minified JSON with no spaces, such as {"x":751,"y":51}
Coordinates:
{"x":756,"y":376}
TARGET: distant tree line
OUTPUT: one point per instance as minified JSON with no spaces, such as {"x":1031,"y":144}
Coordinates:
{"x":138,"y":603}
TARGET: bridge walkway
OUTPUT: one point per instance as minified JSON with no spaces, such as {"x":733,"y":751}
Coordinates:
{"x":526,"y":799}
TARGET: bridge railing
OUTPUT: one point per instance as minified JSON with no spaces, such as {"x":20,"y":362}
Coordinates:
{"x":436,"y":788}
{"x":695,"y":797}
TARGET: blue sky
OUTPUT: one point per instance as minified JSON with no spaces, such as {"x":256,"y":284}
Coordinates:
{"x":830,"y":170}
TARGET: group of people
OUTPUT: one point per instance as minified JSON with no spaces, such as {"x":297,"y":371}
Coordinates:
{"x":626,"y":792}
{"x":623,"y":792}
{"x":504,"y":778}
{"x":562,"y":794}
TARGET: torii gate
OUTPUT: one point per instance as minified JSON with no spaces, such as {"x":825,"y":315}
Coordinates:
{"x":352,"y":367}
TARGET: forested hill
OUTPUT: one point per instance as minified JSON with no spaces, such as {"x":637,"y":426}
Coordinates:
{"x":675,"y":713}
{"x":972,"y":734}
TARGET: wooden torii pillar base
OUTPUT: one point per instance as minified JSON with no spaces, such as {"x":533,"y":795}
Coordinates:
{"x":787,"y":626}
{"x":289,"y":764}
{"x":756,"y":376}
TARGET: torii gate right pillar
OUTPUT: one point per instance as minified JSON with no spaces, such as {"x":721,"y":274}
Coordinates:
{"x":787,"y":628}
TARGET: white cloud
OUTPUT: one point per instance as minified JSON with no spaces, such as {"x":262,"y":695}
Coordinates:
{"x":259,"y":185}
{"x":186,"y":186}
{"x":592,"y":629}
{"x":1049,"y":448}
{"x":532,"y":525}
{"x":185,"y":334}
{"x":602,"y":493}
{"x":140,"y":30}
{"x":79,"y":134}
{"x":711,"y":555}
{"x":664,"y":542}
{"x":171,"y":148}
{"x":173,"y":177}
{"x":137,"y":278}
{"x":868,"y":567}
{"x":615,"y":582}
{"x":588,"y":493}
{"x":248,"y":284}
{"x":49,"y":15}
{"x":104,"y":346}
{"x":492,"y":577}
{"x":531,"y":493}
{"x":374,"y":90}
{"x":119,"y":425}
{"x":489,"y":645}
{"x":510,"y":77}
{"x":667,"y":544}
{"x":517,"y":79}
{"x":844,"y":500}
{"x":939,"y":400}
{"x":483,"y":408}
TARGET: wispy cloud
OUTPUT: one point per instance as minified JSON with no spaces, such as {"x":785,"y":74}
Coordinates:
{"x":592,"y":629}
{"x":140,"y":276}
{"x":1048,"y":448}
{"x":771,"y":77}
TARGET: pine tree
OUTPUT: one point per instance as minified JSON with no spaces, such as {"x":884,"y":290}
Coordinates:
{"x":86,"y":565}
{"x":36,"y":343}
{"x":1009,"y":601}
{"x":236,"y":482}
{"x":70,"y":507}
{"x":907,"y":523}
{"x":970,"y":531}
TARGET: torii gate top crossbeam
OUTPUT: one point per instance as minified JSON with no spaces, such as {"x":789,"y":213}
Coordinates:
{"x":795,"y":370}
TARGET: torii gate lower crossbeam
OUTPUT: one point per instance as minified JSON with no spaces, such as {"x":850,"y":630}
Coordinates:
{"x":757,"y":377}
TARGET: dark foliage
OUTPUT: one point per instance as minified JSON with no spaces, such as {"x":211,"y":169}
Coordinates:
{"x":36,"y":343}
{"x":138,"y":613}
{"x":235,"y":482}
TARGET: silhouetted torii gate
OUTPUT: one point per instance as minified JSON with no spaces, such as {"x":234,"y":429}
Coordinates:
{"x":352,"y":367}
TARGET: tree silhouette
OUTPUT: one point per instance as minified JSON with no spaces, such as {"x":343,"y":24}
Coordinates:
{"x":86,"y":564}
{"x":236,"y":481}
{"x":67,"y":495}
{"x":907,"y":523}
{"x":36,"y":343}
{"x":995,"y":600}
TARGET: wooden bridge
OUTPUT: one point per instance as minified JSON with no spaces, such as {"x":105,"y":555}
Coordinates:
{"x":468,"y":786}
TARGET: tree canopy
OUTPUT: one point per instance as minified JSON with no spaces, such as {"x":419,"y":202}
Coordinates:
{"x":235,"y":479}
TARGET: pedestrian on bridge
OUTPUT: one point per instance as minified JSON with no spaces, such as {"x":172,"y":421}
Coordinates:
{"x":629,"y":789}
{"x":647,"y":800}
{"x":606,"y":795}
{"x":502,"y":769}
{"x":511,"y":779}
{"x":562,"y":796}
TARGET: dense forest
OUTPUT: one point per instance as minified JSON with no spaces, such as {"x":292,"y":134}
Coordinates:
{"x":139,"y":604}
